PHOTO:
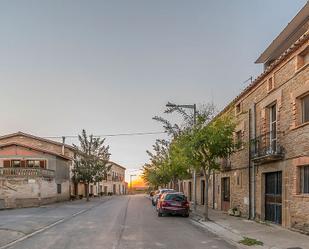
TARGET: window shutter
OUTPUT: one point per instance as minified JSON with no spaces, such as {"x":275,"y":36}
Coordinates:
{"x":6,"y":163}
{"x":42,"y":164}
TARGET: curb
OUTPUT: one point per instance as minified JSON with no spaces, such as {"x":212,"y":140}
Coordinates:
{"x":222,"y":232}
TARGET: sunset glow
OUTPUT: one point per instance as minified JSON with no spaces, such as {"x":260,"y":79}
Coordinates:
{"x":138,"y":182}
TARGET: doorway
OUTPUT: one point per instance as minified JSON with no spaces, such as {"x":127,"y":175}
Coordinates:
{"x":225,"y":194}
{"x":273,"y":197}
{"x":190,"y":191}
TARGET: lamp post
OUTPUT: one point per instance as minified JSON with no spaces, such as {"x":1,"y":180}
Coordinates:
{"x":194,"y":123}
{"x":131,"y":182}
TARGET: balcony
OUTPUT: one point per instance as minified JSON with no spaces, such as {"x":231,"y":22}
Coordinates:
{"x":265,"y":148}
{"x":226,"y":164}
{"x":26,"y":172}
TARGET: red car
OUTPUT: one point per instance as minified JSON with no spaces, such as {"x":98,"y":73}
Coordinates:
{"x":173,"y":203}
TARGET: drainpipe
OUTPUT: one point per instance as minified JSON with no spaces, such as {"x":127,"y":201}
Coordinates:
{"x":253,"y":164}
{"x":249,"y":166}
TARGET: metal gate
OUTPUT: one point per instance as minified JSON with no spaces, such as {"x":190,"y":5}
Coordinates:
{"x":273,"y":197}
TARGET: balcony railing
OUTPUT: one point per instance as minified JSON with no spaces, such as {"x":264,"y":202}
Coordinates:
{"x":266,"y":148}
{"x":226,"y":164}
{"x":27,"y":172}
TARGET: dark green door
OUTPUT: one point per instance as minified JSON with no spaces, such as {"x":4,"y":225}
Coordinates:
{"x":273,"y":197}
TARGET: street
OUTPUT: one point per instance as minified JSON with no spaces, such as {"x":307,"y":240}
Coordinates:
{"x":124,"y":222}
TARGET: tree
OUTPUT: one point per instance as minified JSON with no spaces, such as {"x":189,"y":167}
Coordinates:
{"x":91,"y":163}
{"x":169,"y":159}
{"x":208,"y":143}
{"x":154,"y":173}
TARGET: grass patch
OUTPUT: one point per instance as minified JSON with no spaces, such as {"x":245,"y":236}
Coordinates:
{"x":250,"y":242}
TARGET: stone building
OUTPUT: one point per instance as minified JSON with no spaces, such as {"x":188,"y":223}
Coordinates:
{"x":33,"y":170}
{"x":267,"y":178}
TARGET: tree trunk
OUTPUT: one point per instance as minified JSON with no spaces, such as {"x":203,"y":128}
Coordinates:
{"x":87,"y":191}
{"x":206,"y":194}
{"x":75,"y":188}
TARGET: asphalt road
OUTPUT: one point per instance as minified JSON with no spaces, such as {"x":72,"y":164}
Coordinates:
{"x":126,"y":222}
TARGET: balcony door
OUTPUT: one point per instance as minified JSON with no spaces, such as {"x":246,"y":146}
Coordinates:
{"x":273,"y":128}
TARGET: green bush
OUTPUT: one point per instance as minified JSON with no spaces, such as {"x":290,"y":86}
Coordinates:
{"x":250,"y":242}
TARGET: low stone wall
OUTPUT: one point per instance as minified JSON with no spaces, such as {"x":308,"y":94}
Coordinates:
{"x":29,"y":192}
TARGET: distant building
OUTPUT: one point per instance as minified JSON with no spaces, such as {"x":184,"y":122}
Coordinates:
{"x":114,"y":183}
{"x":33,"y":170}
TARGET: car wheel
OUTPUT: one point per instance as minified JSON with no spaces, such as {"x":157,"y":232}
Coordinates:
{"x":159,"y":213}
{"x":186,"y":215}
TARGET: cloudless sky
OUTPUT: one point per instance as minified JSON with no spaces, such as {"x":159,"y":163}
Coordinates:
{"x":110,"y":66}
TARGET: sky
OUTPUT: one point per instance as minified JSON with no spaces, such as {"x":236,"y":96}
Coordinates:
{"x":110,"y":66}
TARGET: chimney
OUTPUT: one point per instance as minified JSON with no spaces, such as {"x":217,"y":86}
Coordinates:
{"x":63,"y":143}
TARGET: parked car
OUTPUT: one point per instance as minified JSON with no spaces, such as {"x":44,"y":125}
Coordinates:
{"x":173,"y":203}
{"x":158,"y":194}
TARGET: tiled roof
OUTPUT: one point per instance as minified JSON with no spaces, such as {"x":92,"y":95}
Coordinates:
{"x":34,"y":148}
{"x":37,"y":138}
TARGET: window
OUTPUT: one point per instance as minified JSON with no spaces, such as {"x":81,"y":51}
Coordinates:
{"x":238,"y":108}
{"x":16,"y":163}
{"x":238,"y":139}
{"x":303,"y":58}
{"x":273,"y":127}
{"x":36,"y":164}
{"x":270,"y":84}
{"x":58,"y":188}
{"x":305,"y":109}
{"x":304,"y":179}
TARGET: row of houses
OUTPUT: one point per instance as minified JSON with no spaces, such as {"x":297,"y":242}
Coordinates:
{"x":267,"y":178}
{"x":36,"y":171}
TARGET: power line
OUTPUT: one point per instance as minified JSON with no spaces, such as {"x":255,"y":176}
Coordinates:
{"x":113,"y":135}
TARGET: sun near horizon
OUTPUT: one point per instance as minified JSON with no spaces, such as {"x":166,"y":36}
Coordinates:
{"x":138,"y":182}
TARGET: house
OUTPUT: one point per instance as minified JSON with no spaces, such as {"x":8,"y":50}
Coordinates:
{"x":267,"y":178}
{"x":33,"y":170}
{"x":114,"y":183}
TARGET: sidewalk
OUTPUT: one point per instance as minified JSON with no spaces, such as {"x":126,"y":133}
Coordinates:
{"x":235,"y":229}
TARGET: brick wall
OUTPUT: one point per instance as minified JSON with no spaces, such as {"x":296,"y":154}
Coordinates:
{"x":289,"y":83}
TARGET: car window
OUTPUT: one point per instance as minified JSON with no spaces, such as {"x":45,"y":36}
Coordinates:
{"x":173,"y":197}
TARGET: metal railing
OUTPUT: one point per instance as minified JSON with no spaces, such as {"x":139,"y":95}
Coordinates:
{"x":266,"y":145}
{"x":226,"y":164}
{"x":27,"y":172}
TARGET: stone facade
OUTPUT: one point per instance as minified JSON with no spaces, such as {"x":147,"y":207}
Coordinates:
{"x":282,"y":149}
{"x":33,"y":171}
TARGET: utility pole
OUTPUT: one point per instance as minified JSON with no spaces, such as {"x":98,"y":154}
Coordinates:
{"x":194,"y":124}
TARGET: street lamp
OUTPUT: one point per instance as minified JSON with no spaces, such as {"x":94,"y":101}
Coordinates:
{"x":131,"y":181}
{"x":194,"y":123}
